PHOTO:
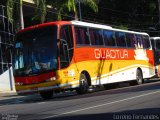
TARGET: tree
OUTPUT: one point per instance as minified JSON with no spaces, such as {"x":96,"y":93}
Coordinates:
{"x":71,"y":5}
{"x":41,"y":10}
{"x":15,"y":4}
{"x":61,"y":7}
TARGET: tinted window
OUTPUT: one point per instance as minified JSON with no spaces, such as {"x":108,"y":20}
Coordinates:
{"x":81,"y":35}
{"x":36,"y":51}
{"x":96,"y":36}
{"x":130,"y":39}
{"x":66,"y":34}
{"x":158,"y":44}
{"x":139,"y":39}
{"x":146,"y":42}
{"x":109,"y":38}
{"x":66,"y":46}
{"x":120,"y":39}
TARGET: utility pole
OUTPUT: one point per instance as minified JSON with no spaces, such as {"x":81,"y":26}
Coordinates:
{"x":80,"y":16}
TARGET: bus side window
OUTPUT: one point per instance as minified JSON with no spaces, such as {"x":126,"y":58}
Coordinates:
{"x":81,"y":35}
{"x":146,"y":42}
{"x":93,"y":41}
{"x":139,"y":40}
{"x":96,"y":36}
{"x":109,"y":38}
{"x":158,"y":44}
{"x":66,"y":45}
{"x":130,"y":40}
{"x":120,"y":39}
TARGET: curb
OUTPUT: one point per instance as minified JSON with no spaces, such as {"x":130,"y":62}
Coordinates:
{"x":7,"y":93}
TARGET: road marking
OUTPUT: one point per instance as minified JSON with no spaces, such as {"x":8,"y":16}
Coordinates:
{"x":74,"y":111}
{"x":41,"y":103}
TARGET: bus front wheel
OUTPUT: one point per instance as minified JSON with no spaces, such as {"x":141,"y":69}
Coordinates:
{"x":83,"y":87}
{"x":46,"y":94}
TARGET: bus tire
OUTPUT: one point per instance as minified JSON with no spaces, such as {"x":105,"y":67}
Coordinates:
{"x":46,"y":94}
{"x":83,"y":85}
{"x":139,"y":77}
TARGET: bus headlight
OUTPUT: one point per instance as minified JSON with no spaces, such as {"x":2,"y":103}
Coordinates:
{"x":19,"y":83}
{"x":51,"y":79}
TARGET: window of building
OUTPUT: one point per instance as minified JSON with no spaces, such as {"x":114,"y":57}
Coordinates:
{"x":6,"y":41}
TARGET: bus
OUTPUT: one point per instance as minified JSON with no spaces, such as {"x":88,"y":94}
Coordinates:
{"x":155,"y":42}
{"x":76,"y":55}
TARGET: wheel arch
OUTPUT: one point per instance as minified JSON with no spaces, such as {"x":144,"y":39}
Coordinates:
{"x":141,"y":74}
{"x":140,"y":70}
{"x":86,"y":73}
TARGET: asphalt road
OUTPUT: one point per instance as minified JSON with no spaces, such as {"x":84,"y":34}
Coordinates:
{"x":128,"y":103}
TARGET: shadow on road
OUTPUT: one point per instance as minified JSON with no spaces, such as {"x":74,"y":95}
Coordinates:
{"x":138,"y":114}
{"x":149,"y":85}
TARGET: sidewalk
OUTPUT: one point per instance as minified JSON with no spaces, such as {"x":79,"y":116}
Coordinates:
{"x":4,"y":94}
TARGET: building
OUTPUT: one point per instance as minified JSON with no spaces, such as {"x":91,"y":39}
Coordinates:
{"x":7,"y":34}
{"x":6,"y":42}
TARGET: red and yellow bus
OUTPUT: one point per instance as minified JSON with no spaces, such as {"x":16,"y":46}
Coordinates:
{"x":76,"y":55}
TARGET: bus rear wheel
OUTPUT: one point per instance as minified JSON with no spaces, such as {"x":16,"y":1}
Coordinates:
{"x":139,"y":77}
{"x":83,"y":87}
{"x":47,"y":94}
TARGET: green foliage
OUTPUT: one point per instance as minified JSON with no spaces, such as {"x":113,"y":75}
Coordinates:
{"x":15,"y":12}
{"x":70,"y":5}
{"x":41,"y":10}
{"x":92,"y":4}
{"x":10,"y":6}
{"x":122,"y":27}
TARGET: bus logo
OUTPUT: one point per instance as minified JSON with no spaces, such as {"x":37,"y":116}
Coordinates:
{"x":112,"y":54}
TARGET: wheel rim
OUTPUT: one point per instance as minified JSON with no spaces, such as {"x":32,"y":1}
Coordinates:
{"x":83,"y":88}
{"x":84,"y":83}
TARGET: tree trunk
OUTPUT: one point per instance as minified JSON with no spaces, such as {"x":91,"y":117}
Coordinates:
{"x":21,"y":15}
{"x":76,"y":15}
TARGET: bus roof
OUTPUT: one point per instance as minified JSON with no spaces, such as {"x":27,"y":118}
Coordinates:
{"x":86,"y":24}
{"x":79,"y":23}
{"x":155,"y":38}
{"x":44,"y":25}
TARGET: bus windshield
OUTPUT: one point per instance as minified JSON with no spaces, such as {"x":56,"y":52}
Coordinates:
{"x":35,"y":51}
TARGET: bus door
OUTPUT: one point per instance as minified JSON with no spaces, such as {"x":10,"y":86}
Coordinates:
{"x":67,"y":72}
